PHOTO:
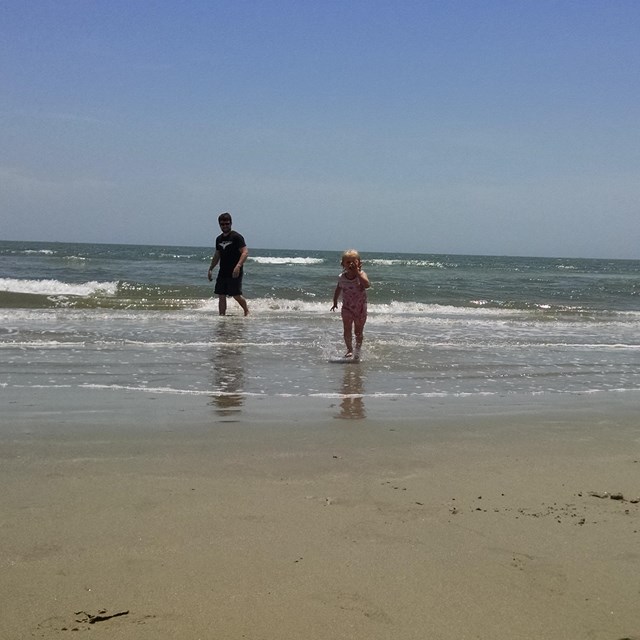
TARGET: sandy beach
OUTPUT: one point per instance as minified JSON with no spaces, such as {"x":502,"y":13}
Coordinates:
{"x":167,"y":518}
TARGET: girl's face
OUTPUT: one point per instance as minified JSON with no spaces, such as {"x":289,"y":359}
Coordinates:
{"x":350,"y":263}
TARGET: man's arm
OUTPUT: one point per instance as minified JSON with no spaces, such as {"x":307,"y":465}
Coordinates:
{"x":214,"y":261}
{"x":244,"y":253}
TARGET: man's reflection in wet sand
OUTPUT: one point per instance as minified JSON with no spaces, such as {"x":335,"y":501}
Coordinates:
{"x":228,"y":367}
{"x":352,"y":402}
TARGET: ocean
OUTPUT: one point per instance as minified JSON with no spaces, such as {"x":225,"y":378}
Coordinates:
{"x":143,"y":320}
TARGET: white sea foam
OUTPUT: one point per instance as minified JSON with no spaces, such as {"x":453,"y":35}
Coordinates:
{"x":285,"y":260}
{"x":427,"y":310}
{"x":46,"y":252}
{"x":390,"y":262}
{"x":391,"y":309}
{"x":178,"y":256}
{"x":57,"y":288}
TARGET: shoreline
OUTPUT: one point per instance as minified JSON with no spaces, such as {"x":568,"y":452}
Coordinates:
{"x":464,"y":522}
{"x":81,"y":407}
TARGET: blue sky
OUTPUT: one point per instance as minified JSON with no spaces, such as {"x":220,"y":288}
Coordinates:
{"x":485,"y":127}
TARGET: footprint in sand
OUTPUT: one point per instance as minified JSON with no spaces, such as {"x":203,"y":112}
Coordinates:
{"x":355,"y":603}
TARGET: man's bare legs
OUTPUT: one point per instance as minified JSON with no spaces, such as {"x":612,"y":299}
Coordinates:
{"x":222,"y":304}
{"x":243,"y":303}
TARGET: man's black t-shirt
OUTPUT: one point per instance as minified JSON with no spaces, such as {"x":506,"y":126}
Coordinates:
{"x":229,"y":247}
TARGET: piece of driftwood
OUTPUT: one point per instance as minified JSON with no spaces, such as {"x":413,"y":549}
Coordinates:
{"x":101,"y":616}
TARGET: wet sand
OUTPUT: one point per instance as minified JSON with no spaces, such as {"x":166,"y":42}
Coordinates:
{"x":164,"y":518}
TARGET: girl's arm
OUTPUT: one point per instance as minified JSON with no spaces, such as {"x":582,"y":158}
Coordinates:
{"x":336,"y":295}
{"x":364,"y":279}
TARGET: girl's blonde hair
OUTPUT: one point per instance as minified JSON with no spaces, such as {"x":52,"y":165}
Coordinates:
{"x":350,"y":254}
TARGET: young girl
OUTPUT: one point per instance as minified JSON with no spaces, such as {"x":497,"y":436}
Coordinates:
{"x":352,"y":283}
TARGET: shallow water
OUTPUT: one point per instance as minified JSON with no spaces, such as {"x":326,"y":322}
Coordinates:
{"x":143,"y":319}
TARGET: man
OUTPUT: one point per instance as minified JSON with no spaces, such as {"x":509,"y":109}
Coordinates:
{"x":231,"y":253}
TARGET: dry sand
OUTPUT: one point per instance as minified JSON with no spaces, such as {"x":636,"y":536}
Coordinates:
{"x":468,"y":527}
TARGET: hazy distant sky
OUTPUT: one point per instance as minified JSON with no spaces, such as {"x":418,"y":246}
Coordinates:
{"x":470,"y":126}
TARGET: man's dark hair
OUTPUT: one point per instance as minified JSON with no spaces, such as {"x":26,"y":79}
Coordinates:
{"x":224,"y":216}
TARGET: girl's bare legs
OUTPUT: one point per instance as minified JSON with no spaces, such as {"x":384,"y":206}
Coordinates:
{"x":359,"y":331}
{"x":348,"y":336}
